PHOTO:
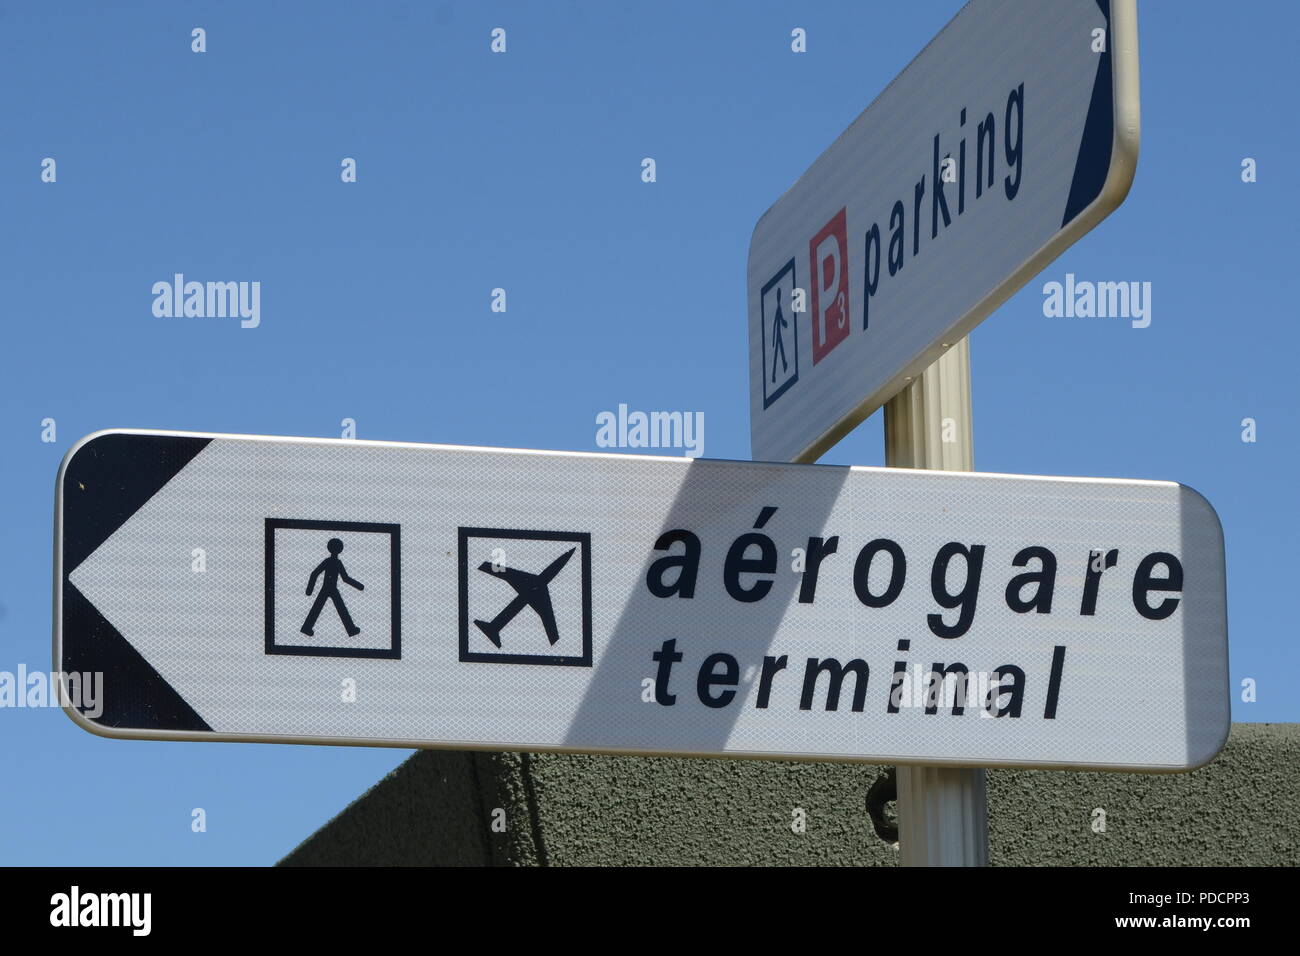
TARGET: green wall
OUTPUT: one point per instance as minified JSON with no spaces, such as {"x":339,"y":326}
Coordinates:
{"x":438,"y":807}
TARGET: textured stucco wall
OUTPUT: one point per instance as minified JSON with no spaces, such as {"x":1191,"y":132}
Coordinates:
{"x":438,"y":808}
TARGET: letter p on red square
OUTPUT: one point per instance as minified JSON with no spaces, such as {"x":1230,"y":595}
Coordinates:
{"x":829,"y":255}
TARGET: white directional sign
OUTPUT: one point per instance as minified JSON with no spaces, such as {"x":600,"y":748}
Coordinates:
{"x":1011,"y":134}
{"x":280,"y":589}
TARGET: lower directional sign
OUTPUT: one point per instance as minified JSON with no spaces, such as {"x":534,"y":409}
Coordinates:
{"x":298,"y":590}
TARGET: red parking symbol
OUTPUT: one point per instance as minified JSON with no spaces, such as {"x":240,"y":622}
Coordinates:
{"x":829,"y":253}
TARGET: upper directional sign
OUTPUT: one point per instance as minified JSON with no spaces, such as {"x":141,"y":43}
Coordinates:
{"x":1011,"y":134}
{"x":234,"y":588}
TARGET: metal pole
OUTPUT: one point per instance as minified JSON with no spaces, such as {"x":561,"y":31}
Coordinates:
{"x":942,"y":812}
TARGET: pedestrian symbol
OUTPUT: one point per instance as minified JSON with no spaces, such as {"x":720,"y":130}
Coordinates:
{"x":334,"y":572}
{"x":780,"y":334}
{"x":779,"y":348}
{"x":362,"y":619}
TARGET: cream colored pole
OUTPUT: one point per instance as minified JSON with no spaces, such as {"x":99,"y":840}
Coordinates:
{"x":942,"y":812}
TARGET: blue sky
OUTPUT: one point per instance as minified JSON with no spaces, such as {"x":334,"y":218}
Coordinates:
{"x":522,"y":171}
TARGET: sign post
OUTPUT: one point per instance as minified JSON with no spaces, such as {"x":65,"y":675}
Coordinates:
{"x":1012,"y":134}
{"x":942,"y":811}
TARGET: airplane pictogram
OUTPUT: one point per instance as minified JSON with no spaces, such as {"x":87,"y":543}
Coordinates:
{"x":532,"y":590}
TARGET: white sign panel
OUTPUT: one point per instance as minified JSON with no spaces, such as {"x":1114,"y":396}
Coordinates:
{"x":279,"y":589}
{"x":1011,"y":134}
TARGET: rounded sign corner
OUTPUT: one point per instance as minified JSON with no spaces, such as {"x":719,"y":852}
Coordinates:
{"x":1128,"y":103}
{"x":80,"y":445}
{"x":1196,"y":761}
{"x":1192,"y":500}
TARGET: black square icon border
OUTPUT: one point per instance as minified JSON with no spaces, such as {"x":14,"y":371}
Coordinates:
{"x":582,"y":538}
{"x":794,"y":328}
{"x":394,"y":531}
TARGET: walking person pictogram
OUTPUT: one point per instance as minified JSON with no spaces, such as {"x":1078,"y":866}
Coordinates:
{"x":778,"y":344}
{"x":333,"y":570}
